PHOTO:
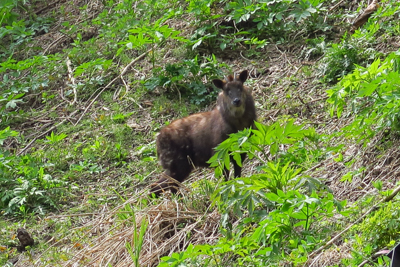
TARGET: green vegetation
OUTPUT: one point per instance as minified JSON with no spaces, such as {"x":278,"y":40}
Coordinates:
{"x":87,"y":85}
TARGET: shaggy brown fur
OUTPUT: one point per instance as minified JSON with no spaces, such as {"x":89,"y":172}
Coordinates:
{"x":189,"y":142}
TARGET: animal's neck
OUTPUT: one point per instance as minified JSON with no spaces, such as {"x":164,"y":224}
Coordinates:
{"x":235,"y":117}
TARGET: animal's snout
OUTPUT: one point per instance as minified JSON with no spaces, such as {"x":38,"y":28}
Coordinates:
{"x":236,"y":102}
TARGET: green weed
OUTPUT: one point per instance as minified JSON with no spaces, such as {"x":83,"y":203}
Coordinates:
{"x":186,"y":79}
{"x":275,"y":208}
{"x":373,"y":96}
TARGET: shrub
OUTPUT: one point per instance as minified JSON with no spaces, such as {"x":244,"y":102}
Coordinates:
{"x":25,"y":185}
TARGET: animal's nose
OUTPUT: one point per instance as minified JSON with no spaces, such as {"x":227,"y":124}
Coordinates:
{"x":236,"y":102}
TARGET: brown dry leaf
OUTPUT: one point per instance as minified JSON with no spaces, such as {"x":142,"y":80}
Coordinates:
{"x":148,"y":103}
{"x":100,"y":118}
{"x":133,"y":125}
{"x":78,"y":246}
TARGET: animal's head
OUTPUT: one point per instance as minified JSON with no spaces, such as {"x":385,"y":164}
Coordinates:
{"x":233,"y":89}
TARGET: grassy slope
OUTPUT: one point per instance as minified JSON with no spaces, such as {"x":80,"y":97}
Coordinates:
{"x":107,"y":158}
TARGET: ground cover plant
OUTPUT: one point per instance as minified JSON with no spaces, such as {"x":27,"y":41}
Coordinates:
{"x":87,"y":85}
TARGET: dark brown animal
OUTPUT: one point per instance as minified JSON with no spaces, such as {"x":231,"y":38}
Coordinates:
{"x":189,"y":142}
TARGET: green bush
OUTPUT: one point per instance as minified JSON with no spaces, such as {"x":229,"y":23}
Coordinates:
{"x":381,"y":229}
{"x":25,"y":185}
{"x":186,"y":79}
{"x":276,"y":216}
{"x":15,"y":32}
{"x":373,"y":96}
{"x":253,"y":19}
{"x":340,"y":59}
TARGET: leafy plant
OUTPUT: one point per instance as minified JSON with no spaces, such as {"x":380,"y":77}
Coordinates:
{"x":135,"y":246}
{"x":275,"y":213}
{"x":86,"y":166}
{"x":277,"y":171}
{"x":15,"y":32}
{"x":278,"y":16}
{"x":374,"y":96}
{"x":187,"y":78}
{"x":379,"y":230}
{"x":121,"y":118}
{"x":150,"y":35}
{"x":26,"y":187}
{"x":7,"y":132}
{"x":226,"y":252}
{"x":98,"y":64}
{"x":17,"y":88}
{"x":340,"y":59}
{"x":6,"y":11}
{"x":262,"y":143}
{"x":251,"y":22}
{"x":317,"y":47}
{"x":53,"y":138}
{"x":289,"y":230}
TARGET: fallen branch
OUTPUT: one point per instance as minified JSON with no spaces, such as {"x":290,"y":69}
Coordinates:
{"x":330,"y":242}
{"x":318,"y":99}
{"x":363,"y":18}
{"x":54,"y":42}
{"x":47,"y":6}
{"x":72,"y":79}
{"x":335,"y":6}
{"x":75,"y":215}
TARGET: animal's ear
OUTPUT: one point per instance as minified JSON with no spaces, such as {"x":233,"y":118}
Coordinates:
{"x":219,"y":83}
{"x":243,"y":76}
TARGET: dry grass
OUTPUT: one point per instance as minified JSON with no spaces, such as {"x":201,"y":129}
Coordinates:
{"x":172,"y":226}
{"x":331,"y":256}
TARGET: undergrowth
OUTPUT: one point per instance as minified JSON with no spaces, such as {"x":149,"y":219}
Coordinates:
{"x":79,"y":116}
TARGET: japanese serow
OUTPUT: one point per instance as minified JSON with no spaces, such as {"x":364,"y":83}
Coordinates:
{"x":189,"y":142}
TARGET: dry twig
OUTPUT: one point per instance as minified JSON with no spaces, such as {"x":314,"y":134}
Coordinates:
{"x":335,"y":6}
{"x":330,"y":242}
{"x":43,"y":133}
{"x":363,"y":18}
{"x":72,"y":79}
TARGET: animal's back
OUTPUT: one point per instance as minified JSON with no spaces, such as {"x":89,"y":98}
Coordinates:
{"x":190,"y":139}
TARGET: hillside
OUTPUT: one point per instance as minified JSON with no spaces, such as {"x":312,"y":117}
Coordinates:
{"x":86,"y":86}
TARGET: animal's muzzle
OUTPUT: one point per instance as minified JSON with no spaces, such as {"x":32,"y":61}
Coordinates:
{"x":236,"y":102}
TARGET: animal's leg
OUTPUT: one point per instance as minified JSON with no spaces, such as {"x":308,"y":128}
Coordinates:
{"x":178,"y":170}
{"x":237,"y":169}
